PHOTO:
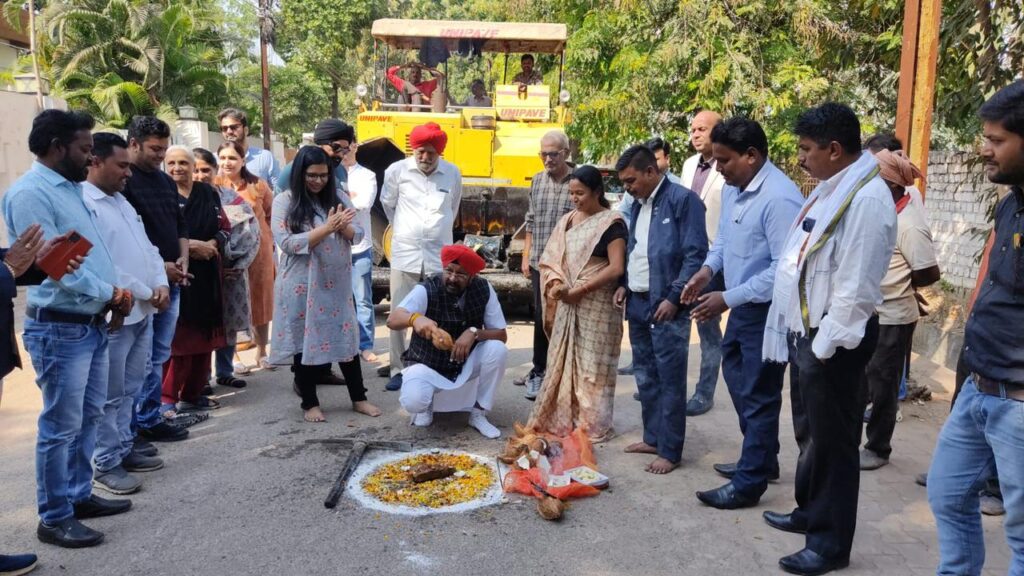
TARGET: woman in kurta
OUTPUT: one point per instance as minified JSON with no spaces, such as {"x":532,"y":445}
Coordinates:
{"x":257,"y":193}
{"x":315,"y":317}
{"x":237,"y":255}
{"x":580,"y":269}
{"x":200,"y":328}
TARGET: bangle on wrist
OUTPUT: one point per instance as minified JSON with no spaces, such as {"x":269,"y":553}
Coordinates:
{"x":11,"y":269}
{"x":413,"y":318}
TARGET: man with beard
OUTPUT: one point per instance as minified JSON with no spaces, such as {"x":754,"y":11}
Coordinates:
{"x":65,"y":329}
{"x":822,"y":321}
{"x":153,"y":194}
{"x":457,"y":354}
{"x":759,"y":204}
{"x":140,"y":268}
{"x":420,"y":196}
{"x":984,"y":433}
{"x":336,"y":138}
{"x":234,"y":127}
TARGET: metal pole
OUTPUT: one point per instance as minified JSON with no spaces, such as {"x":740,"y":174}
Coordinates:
{"x":35,"y":57}
{"x":265,"y":70}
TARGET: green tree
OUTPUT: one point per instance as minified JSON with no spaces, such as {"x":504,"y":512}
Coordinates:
{"x":119,"y":58}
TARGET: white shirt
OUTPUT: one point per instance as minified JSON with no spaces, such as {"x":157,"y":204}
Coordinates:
{"x":421,"y":209}
{"x":494,"y":318}
{"x":483,"y":102}
{"x":638,"y":269}
{"x":843,"y":283}
{"x":137,"y":261}
{"x":362,"y":190}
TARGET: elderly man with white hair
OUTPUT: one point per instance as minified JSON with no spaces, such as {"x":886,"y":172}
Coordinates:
{"x":549,"y":201}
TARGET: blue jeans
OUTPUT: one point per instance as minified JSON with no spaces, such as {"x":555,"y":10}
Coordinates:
{"x":71,"y":367}
{"x":756,"y":390}
{"x":362,"y":292}
{"x":657,"y":369}
{"x":984,"y":435}
{"x":129,"y":351}
{"x":224,"y":360}
{"x":148,"y":401}
{"x":710,"y":333}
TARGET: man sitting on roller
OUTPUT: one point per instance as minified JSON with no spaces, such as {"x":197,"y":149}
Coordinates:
{"x":447,"y":373}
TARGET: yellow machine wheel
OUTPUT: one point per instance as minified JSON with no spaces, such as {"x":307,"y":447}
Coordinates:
{"x":386,"y":243}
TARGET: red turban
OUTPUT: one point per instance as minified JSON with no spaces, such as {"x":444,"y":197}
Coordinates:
{"x":429,"y":133}
{"x":463,"y":256}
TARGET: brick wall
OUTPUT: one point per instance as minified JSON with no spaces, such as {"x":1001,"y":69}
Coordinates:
{"x":958,"y":198}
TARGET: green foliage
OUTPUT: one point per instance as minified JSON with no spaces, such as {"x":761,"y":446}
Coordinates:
{"x":119,"y":58}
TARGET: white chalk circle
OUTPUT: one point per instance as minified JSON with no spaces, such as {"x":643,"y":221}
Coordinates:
{"x":370,"y":464}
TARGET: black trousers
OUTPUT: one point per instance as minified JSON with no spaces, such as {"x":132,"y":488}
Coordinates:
{"x":829,"y":424}
{"x":307,"y":378}
{"x":882,"y":385}
{"x":540,"y":339}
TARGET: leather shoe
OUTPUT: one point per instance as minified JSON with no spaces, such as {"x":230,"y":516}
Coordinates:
{"x":163,"y":432}
{"x":807,"y":562}
{"x":727,"y":498}
{"x":783,"y":522}
{"x":729,"y":470}
{"x":626,"y":370}
{"x":69,"y":533}
{"x":96,"y":507}
{"x":395,"y":383}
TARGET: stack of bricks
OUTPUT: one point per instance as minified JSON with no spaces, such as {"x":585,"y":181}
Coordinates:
{"x":959,"y":199}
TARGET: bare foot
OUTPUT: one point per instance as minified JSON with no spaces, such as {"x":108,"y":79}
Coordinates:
{"x":365,"y":407}
{"x":314,"y":415}
{"x":661,"y":466}
{"x":641,"y":448}
{"x":368,"y":356}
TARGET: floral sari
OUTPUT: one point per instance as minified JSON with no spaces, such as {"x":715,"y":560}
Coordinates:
{"x":585,"y":338}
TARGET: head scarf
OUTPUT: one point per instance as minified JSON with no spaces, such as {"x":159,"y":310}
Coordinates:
{"x":331,"y":129}
{"x":429,"y":133}
{"x":897,"y":168}
{"x":463,"y":256}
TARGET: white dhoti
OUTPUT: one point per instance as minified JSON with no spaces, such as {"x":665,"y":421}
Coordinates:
{"x":474,"y":386}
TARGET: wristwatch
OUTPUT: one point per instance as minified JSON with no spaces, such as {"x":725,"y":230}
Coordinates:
{"x":475,"y":331}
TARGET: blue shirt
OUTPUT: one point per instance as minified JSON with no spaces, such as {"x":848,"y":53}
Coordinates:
{"x":262,"y":163}
{"x":678,"y":240}
{"x":752,"y":233}
{"x":993,"y":340}
{"x":42,"y":196}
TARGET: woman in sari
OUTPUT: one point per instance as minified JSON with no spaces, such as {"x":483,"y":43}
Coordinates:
{"x":256,"y":192}
{"x":200,"y":328}
{"x":238,"y":253}
{"x":315,"y":317}
{"x":580,"y":269}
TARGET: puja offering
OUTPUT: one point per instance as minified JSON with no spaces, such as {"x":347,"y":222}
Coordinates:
{"x":588,"y":476}
{"x":429,"y":480}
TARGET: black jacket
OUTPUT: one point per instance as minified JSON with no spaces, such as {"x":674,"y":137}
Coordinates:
{"x":9,"y":357}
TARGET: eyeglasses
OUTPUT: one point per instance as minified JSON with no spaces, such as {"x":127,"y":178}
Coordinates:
{"x":544,"y":155}
{"x":456,"y":275}
{"x":339,"y":149}
{"x":231,"y":128}
{"x":312,"y":176}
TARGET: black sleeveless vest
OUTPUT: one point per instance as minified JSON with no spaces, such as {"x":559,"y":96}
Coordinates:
{"x":453,"y":314}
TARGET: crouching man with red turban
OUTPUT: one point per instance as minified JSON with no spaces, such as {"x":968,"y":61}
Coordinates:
{"x":457,"y":354}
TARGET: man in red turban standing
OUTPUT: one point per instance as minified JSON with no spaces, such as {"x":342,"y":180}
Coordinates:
{"x":420,"y":197}
{"x":457,"y":354}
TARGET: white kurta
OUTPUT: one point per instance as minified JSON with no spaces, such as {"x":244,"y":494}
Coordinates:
{"x":480,"y":375}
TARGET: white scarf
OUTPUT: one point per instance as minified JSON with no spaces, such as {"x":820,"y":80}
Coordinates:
{"x":829,"y":201}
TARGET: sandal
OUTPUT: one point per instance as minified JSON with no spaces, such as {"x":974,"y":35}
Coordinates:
{"x":202,"y":403}
{"x":231,"y":382}
{"x":188,"y":419}
{"x":264,"y":364}
{"x":241,"y":368}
